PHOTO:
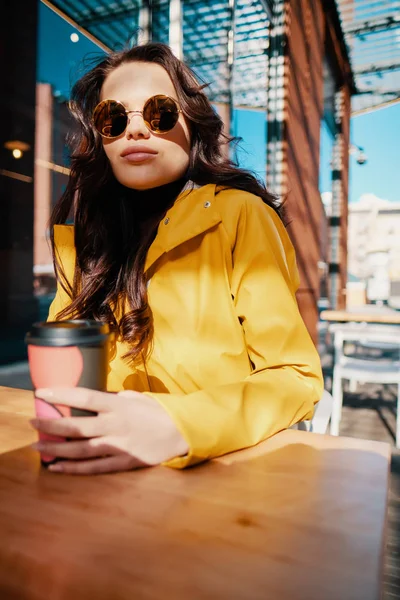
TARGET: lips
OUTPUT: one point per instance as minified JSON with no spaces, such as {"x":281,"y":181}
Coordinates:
{"x":138,"y":153}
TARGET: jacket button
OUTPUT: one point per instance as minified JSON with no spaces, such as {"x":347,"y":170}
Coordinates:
{"x":166,"y":221}
{"x":207,"y":204}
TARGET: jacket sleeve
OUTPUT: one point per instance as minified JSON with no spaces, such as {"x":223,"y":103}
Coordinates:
{"x":286,"y":379}
{"x":64,"y":243}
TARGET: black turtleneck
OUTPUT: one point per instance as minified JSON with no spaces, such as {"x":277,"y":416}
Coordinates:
{"x":142,"y":211}
{"x":156,"y":201}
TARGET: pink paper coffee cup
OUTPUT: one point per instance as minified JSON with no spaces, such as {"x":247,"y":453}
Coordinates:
{"x":66,"y":354}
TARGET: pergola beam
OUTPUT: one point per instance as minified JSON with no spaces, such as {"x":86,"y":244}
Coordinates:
{"x":373,"y":25}
{"x":378,"y":92}
{"x":379,"y":67}
{"x":115,"y":15}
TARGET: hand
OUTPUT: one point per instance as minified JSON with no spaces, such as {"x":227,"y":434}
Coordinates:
{"x":131,"y":430}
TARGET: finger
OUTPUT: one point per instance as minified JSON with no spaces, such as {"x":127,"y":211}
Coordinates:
{"x":82,"y":449}
{"x":83,"y":398}
{"x":100,"y":465}
{"x":131,"y":394}
{"x":75,"y":427}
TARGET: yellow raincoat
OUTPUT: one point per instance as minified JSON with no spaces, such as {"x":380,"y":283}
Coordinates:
{"x":232,"y":361}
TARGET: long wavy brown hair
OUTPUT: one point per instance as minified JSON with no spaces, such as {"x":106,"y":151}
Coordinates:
{"x":110,"y":248}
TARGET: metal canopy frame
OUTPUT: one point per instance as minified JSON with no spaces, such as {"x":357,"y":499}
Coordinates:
{"x":372,"y":34}
{"x":206,"y":28}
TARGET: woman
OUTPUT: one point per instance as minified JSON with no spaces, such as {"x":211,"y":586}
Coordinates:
{"x":186,"y":255}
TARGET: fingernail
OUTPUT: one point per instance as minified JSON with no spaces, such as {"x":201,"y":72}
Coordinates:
{"x":44,"y":393}
{"x":56,"y":468}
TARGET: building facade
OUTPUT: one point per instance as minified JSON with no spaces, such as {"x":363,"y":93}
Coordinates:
{"x":374,"y":247}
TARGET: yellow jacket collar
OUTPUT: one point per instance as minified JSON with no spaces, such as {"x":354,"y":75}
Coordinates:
{"x":193,"y":213}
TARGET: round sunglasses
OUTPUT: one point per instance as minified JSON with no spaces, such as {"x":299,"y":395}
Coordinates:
{"x":160,"y":114}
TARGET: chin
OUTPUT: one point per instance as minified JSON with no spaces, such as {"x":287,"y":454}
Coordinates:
{"x":143,"y":182}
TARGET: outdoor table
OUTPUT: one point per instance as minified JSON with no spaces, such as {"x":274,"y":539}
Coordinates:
{"x":367,"y":314}
{"x":301,"y":516}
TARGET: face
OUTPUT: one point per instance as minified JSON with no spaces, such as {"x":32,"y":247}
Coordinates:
{"x":139,"y":158}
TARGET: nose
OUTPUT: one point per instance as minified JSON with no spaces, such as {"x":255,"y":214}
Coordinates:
{"x":136,"y":128}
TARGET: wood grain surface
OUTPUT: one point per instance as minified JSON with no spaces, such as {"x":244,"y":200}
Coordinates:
{"x":301,"y":516}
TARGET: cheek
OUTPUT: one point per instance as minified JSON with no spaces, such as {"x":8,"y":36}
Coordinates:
{"x":186,"y":134}
{"x":181,"y":140}
{"x":175,"y":158}
{"x":177,"y":150}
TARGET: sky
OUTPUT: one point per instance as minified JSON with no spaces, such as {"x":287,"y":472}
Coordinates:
{"x":60,"y":63}
{"x":378,"y":133}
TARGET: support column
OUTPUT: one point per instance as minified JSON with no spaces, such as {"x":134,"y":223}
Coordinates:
{"x":224,"y":112}
{"x":295,"y":106}
{"x":336,"y":258}
{"x":18,"y":35}
{"x":43,"y":175}
{"x":231,"y":61}
{"x":144,"y":22}
{"x":175,"y":28}
{"x":276,"y":101}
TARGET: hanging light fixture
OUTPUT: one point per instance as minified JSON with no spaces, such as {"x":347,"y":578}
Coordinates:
{"x":17,"y":148}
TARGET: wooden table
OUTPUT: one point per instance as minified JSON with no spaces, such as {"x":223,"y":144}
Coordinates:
{"x":365,"y":314}
{"x":299,"y":517}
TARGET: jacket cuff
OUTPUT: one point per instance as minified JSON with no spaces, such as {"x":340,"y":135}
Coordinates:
{"x":190,"y":459}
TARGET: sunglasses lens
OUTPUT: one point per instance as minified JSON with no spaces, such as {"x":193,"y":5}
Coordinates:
{"x":110,"y":118}
{"x":160,"y":114}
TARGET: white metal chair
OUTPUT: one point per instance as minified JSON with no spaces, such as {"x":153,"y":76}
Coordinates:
{"x":321,"y":417}
{"x":363,"y":370}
